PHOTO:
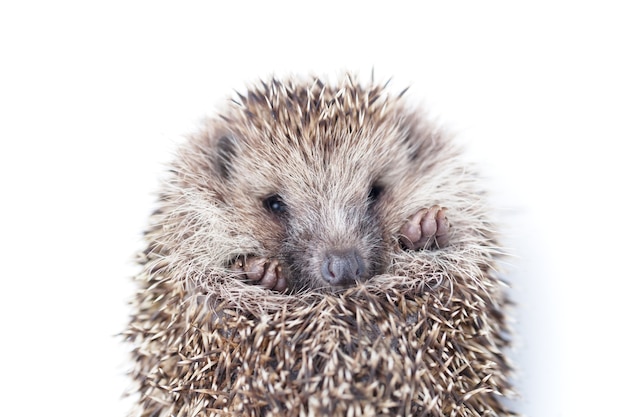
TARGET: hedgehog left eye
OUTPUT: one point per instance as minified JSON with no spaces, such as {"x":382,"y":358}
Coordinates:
{"x":274,"y":204}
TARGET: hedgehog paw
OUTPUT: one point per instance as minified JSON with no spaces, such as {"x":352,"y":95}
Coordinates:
{"x":261,"y":271}
{"x":428,"y":228}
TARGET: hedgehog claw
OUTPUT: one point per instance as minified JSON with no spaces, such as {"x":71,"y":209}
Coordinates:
{"x":428,"y":228}
{"x":261,"y":271}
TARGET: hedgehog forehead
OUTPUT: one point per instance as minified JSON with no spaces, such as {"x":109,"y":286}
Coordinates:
{"x":316,"y":172}
{"x":299,"y":137}
{"x":303,"y":169}
{"x":340,"y":141}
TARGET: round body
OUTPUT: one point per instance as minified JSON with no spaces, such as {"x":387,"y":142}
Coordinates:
{"x":320,"y":249}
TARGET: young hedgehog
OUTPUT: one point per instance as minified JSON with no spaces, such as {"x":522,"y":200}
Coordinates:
{"x":320,"y":249}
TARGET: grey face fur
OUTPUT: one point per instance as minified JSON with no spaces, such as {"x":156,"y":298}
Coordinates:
{"x":320,"y":199}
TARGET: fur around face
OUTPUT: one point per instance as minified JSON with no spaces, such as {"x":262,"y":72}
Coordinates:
{"x":423,"y":334}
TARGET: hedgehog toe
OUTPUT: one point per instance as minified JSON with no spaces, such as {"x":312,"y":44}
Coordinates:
{"x":261,"y":271}
{"x":426,"y":229}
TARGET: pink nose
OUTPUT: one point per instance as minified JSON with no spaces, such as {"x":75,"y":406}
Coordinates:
{"x":342,"y":267}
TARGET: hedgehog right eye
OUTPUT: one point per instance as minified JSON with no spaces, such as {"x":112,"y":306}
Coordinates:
{"x":275,"y":205}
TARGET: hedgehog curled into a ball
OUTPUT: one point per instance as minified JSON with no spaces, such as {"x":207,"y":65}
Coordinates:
{"x":320,"y":249}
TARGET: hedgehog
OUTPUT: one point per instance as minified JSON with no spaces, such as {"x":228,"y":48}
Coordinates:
{"x":320,"y":248}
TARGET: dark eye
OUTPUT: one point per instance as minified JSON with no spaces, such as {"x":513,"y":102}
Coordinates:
{"x":375,"y":192}
{"x":274,"y":204}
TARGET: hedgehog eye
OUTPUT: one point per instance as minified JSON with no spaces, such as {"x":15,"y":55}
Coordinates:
{"x":274,"y":204}
{"x":375,"y":192}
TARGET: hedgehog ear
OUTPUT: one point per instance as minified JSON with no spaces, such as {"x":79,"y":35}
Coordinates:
{"x":225,"y":153}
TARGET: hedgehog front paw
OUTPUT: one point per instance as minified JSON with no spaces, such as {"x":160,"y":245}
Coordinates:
{"x":261,"y":271}
{"x":428,"y":228}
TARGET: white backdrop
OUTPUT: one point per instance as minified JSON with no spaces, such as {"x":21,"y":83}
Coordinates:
{"x":93,"y":98}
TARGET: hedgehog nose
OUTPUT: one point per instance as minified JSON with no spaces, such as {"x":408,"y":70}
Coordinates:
{"x":342,"y":267}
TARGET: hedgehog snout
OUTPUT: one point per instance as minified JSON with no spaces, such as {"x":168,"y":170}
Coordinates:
{"x":342,"y":267}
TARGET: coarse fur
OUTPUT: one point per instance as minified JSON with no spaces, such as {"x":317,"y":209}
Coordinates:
{"x":424,"y":331}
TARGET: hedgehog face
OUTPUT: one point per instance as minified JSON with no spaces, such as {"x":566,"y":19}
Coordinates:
{"x":318,"y":180}
{"x":312,"y":202}
{"x":332,"y":232}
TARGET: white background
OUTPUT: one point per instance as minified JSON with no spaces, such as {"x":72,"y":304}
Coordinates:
{"x":93,"y":98}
